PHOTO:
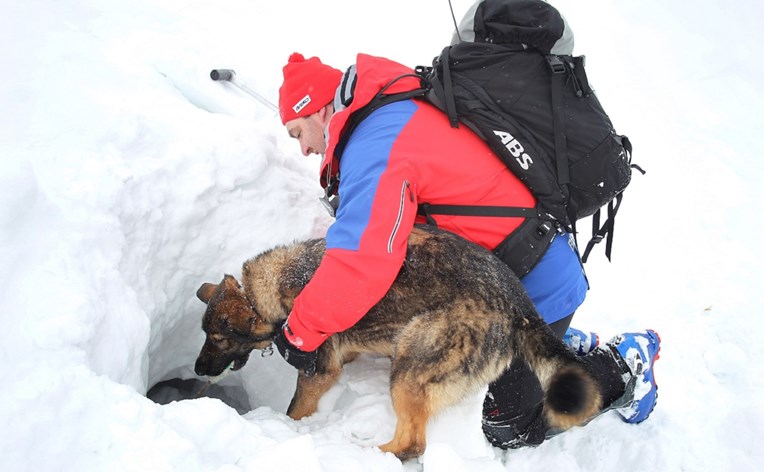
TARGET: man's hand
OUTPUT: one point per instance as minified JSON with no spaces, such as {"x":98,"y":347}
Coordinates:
{"x":302,"y":360}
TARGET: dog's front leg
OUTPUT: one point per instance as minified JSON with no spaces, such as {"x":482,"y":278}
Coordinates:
{"x":309,"y":390}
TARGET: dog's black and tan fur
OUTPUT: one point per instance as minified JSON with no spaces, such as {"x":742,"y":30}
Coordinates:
{"x":451,"y":323}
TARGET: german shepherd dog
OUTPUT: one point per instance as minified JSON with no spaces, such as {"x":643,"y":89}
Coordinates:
{"x":452,"y":322}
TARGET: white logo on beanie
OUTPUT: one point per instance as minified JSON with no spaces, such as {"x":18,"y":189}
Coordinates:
{"x":302,"y":103}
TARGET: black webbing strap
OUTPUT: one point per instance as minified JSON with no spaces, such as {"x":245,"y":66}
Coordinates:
{"x":379,"y":100}
{"x":606,"y":231}
{"x":427,"y":210}
{"x":557,"y":82}
{"x":447,"y":91}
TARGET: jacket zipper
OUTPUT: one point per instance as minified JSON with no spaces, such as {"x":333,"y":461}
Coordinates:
{"x":399,"y":217}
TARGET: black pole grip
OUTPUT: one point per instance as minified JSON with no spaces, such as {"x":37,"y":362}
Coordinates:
{"x":221,"y":74}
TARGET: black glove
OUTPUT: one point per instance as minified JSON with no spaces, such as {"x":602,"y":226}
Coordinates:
{"x":302,"y":360}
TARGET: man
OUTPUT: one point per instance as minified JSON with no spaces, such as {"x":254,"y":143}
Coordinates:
{"x":402,"y":155}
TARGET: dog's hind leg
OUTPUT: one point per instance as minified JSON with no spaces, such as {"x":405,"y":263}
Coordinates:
{"x":412,"y":412}
{"x":439,"y":359}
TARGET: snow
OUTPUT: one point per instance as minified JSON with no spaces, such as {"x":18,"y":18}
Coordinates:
{"x":129,"y":178}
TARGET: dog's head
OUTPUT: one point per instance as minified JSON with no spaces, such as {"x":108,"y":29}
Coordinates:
{"x":232,"y":326}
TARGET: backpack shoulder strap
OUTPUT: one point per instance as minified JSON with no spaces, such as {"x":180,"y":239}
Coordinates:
{"x":446,"y":91}
{"x":379,"y":100}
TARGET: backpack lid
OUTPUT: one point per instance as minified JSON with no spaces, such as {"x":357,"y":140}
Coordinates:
{"x":534,"y":23}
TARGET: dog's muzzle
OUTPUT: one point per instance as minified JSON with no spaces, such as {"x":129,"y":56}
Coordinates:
{"x":214,"y":365}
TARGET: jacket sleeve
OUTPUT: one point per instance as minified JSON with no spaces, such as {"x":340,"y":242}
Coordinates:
{"x":367,"y":243}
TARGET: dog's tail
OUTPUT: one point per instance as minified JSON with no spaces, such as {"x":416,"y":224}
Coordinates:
{"x":572,"y":395}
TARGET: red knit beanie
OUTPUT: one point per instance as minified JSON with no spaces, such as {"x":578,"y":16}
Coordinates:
{"x":308,"y":86}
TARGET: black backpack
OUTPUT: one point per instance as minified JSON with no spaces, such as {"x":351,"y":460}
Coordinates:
{"x":512,"y":82}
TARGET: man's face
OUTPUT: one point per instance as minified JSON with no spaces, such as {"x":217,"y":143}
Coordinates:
{"x":309,"y":131}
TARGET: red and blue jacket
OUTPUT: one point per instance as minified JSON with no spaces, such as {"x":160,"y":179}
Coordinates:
{"x":403,"y":154}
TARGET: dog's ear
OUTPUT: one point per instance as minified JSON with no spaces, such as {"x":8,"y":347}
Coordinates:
{"x":206,"y":291}
{"x":229,"y":281}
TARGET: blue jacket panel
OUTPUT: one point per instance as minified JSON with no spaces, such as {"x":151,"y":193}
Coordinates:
{"x":557,"y":284}
{"x":364,"y":161}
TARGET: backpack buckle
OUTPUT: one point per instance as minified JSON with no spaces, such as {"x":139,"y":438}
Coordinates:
{"x":330,"y":201}
{"x":544,"y":229}
{"x":556,"y":65}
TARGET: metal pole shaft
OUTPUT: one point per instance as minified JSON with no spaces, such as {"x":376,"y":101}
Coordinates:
{"x":228,"y":75}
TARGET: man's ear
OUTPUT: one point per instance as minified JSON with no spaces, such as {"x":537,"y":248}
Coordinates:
{"x":326,"y":112}
{"x":205,"y":292}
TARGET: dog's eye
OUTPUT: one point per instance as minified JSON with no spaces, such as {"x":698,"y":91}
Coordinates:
{"x":221,"y":342}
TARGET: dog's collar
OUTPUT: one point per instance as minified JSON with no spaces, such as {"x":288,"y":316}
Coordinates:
{"x":267,"y":351}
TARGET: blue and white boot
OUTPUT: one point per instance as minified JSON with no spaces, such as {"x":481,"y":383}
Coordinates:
{"x":580,"y":341}
{"x":638,"y":352}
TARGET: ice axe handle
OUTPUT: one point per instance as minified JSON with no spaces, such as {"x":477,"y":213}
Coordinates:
{"x":222,"y":74}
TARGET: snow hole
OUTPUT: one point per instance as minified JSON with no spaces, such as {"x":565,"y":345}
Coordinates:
{"x":234,"y":395}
